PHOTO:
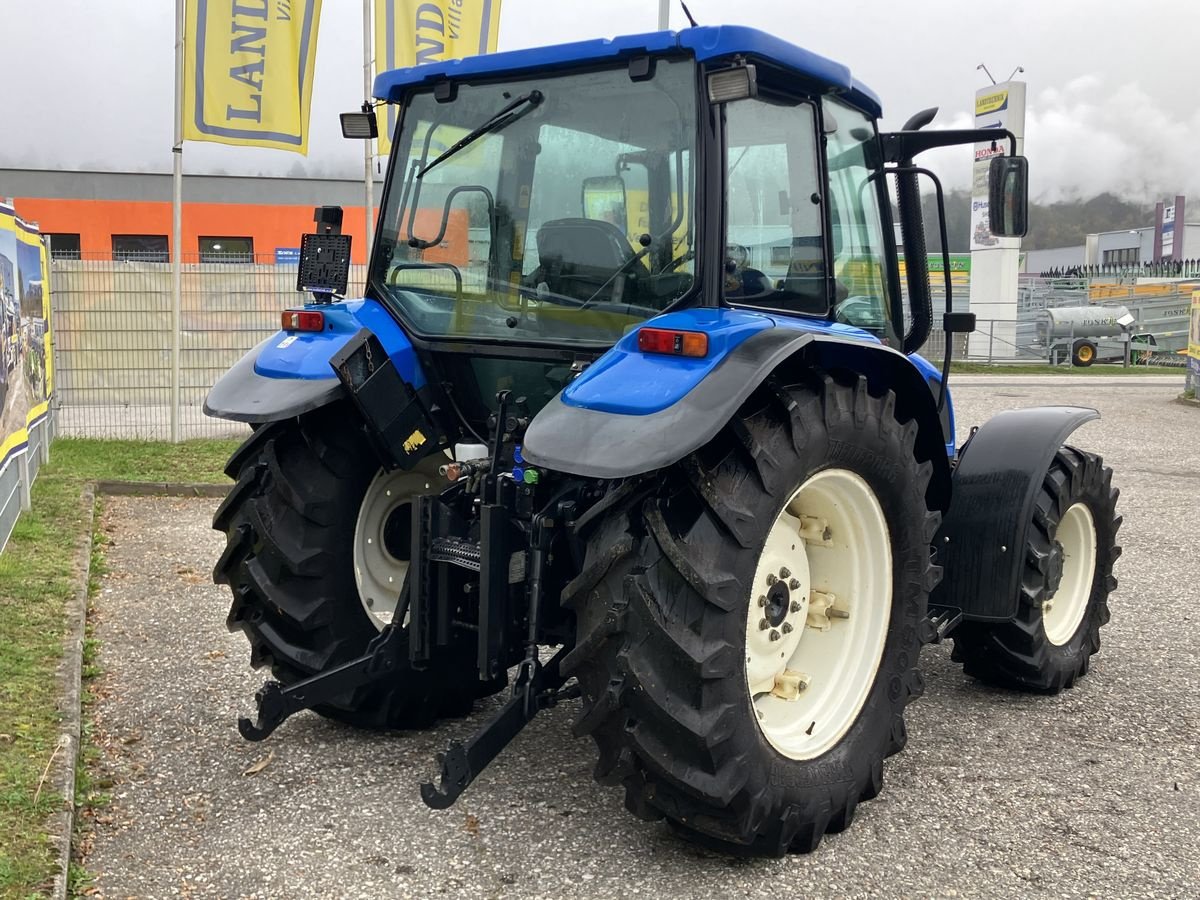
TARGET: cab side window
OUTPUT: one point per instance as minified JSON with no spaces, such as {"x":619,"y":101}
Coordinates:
{"x":775,"y":248}
{"x":856,"y":229}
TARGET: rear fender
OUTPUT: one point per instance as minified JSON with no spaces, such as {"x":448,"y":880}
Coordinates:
{"x":995,"y":485}
{"x":289,"y":373}
{"x":633,"y":413}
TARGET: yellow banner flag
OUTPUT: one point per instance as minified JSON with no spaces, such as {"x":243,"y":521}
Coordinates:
{"x":248,"y":72}
{"x":412,"y":32}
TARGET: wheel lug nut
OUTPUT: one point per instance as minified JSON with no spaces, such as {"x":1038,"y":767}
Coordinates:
{"x":762,"y":600}
{"x":771,"y":579}
{"x":795,"y":607}
{"x":794,"y":585}
{"x":775,"y":635}
{"x":785,"y":572}
{"x":763,"y":624}
{"x":787,"y":627}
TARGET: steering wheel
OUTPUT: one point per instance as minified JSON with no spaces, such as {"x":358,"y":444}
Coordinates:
{"x":858,"y":304}
{"x":677,"y":262}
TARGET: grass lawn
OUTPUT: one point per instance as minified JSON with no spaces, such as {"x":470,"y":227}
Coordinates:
{"x":37,"y":576}
{"x":970,"y":368}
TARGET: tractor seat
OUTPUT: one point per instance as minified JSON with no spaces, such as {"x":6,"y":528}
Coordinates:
{"x":577,"y":256}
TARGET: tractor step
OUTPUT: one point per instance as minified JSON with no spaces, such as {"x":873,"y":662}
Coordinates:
{"x":456,"y":552}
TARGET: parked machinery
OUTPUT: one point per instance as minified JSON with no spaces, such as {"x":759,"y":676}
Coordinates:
{"x":592,"y":455}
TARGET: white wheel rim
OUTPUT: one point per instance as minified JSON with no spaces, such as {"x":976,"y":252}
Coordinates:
{"x":1063,"y":610}
{"x":378,"y":572}
{"x":810,"y":681}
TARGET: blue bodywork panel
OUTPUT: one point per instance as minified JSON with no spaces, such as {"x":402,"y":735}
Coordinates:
{"x":933,"y":377}
{"x":626,"y":381}
{"x":705,"y":44}
{"x":305,"y":355}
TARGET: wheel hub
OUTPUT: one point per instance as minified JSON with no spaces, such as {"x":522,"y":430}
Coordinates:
{"x":818,"y":613}
{"x":1071,"y":575}
{"x":779,"y":600}
{"x":382,"y":541}
{"x":1054,"y":569}
{"x":397,"y":533}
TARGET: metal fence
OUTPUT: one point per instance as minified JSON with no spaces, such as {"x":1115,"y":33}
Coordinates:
{"x":19,"y":471}
{"x":112,"y":326}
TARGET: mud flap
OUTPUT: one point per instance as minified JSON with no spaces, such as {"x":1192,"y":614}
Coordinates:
{"x":994,"y":486}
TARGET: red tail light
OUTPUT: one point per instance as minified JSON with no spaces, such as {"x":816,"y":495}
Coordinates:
{"x":673,"y":343}
{"x":303,"y":320}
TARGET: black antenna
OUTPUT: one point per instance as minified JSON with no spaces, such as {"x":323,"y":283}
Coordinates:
{"x":688,"y":13}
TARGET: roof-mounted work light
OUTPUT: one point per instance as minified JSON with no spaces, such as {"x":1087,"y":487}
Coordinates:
{"x":738,"y":83}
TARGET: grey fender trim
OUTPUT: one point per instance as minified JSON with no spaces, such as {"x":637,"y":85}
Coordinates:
{"x":982,"y":539}
{"x":242,"y":395}
{"x":596,"y":444}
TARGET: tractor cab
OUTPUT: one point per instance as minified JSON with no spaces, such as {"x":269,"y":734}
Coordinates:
{"x":539,"y":208}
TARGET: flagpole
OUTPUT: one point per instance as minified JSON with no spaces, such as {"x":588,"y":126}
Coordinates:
{"x":177,"y":222}
{"x":368,"y":154}
{"x":664,"y":15}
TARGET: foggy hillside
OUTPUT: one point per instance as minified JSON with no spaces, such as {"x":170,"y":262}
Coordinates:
{"x":1061,"y":224}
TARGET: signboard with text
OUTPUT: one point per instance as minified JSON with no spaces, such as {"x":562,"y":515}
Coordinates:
{"x":999,"y":106}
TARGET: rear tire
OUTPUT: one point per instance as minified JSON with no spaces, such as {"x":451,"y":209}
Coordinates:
{"x":290,"y":523}
{"x":668,"y":602}
{"x":1065,"y":585}
{"x":1083,"y":353}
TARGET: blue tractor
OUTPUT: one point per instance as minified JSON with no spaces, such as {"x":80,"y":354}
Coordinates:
{"x":632,"y":411}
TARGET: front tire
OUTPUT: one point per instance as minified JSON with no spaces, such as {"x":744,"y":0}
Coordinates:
{"x":291,"y":522}
{"x":670,"y":653}
{"x":1066,"y":580}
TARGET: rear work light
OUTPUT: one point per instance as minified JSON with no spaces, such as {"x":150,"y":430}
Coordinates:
{"x":303,"y":320}
{"x":673,"y":343}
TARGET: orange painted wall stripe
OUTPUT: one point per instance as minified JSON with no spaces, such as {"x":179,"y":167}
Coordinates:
{"x":96,"y":221}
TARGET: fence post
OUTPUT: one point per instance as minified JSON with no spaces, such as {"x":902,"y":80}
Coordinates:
{"x":23,"y":480}
{"x":991,"y":339}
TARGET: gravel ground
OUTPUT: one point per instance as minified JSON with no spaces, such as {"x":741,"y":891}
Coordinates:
{"x":1095,"y":792}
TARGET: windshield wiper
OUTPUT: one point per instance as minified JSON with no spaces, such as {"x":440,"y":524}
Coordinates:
{"x":504,"y":117}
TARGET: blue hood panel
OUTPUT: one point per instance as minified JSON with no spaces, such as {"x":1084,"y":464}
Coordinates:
{"x":305,"y":355}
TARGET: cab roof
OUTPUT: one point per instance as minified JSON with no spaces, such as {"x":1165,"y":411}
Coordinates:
{"x":705,"y":44}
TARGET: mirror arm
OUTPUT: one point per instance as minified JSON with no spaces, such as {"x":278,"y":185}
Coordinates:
{"x":901,"y":146}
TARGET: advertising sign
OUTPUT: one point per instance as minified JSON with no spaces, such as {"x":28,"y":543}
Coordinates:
{"x":1168,"y":231}
{"x":960,"y":268}
{"x":411,"y":32}
{"x":1194,"y":343}
{"x":26,"y":369}
{"x":999,"y":106}
{"x":248,"y":72}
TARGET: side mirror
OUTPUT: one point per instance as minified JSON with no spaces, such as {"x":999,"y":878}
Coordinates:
{"x":1008,"y":196}
{"x":359,"y":126}
{"x":604,"y":199}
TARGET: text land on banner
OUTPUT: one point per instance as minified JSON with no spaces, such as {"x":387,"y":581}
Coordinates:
{"x":248,"y":72}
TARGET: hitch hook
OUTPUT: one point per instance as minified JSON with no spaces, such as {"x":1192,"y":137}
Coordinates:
{"x":272,"y":708}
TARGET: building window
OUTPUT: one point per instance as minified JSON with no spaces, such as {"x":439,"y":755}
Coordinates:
{"x":141,"y":248}
{"x":64,"y":246}
{"x":226,"y":249}
{"x":1126,"y":256}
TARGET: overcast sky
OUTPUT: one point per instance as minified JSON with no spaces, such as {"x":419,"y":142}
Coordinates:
{"x":1114,"y":87}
